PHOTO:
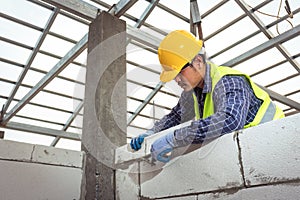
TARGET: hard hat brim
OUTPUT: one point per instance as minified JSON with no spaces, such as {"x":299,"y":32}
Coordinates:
{"x":167,"y":76}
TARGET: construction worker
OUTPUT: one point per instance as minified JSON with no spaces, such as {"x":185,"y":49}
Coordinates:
{"x":219,"y":99}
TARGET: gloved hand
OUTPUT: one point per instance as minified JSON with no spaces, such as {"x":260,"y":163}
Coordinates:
{"x":136,"y":142}
{"x":162,"y":148}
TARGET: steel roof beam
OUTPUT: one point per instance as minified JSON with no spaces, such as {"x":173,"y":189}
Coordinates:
{"x":135,"y":43}
{"x":282,"y":80}
{"x":47,"y":91}
{"x":39,"y":105}
{"x":267,"y":33}
{"x":145,"y":116}
{"x":282,"y":99}
{"x":146,"y":13}
{"x":144,"y":16}
{"x":42,"y":130}
{"x":60,"y":66}
{"x":265,"y":46}
{"x":121,"y":7}
{"x":152,"y":88}
{"x":31,"y":58}
{"x":16,"y":43}
{"x":150,"y":103}
{"x":142,"y":67}
{"x":77,"y":7}
{"x":44,"y":121}
{"x":16,"y":20}
{"x":145,"y":102}
{"x":292,"y":93}
{"x":291,"y":113}
{"x":268,"y":68}
{"x":136,"y":34}
{"x":73,"y":116}
{"x":140,"y":22}
{"x":172,"y":12}
{"x":150,"y":96}
{"x":90,"y":12}
{"x":133,"y":126}
{"x":253,"y":34}
{"x":69,"y":122}
{"x":130,"y":17}
{"x":41,"y":120}
{"x":31,"y":48}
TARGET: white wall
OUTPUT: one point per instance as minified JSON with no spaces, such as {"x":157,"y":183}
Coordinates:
{"x":37,"y":172}
{"x":262,"y":163}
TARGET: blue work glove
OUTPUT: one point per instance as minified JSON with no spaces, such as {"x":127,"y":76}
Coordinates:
{"x":162,"y":148}
{"x":136,"y":143}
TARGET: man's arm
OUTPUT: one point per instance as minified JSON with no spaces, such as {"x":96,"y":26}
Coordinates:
{"x":232,"y":101}
{"x":182,"y":112}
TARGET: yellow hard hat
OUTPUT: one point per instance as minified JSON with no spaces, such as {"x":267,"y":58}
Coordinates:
{"x":175,"y":50}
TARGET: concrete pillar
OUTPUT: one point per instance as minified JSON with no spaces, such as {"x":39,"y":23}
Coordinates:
{"x":104,"y":122}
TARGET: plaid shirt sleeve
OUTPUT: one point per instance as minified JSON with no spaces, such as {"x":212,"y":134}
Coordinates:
{"x":182,"y":112}
{"x":231,"y":96}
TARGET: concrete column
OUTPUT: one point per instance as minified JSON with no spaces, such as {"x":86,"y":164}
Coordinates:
{"x":104,"y":122}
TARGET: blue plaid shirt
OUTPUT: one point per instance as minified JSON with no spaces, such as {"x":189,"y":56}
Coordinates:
{"x":235,"y":106}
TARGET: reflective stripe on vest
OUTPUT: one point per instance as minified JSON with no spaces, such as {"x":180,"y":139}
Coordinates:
{"x":267,"y":111}
{"x":269,"y":114}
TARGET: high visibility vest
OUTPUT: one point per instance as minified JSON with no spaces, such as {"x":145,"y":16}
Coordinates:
{"x":268,"y":110}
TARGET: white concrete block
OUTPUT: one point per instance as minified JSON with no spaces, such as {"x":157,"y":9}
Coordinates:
{"x":274,"y":192}
{"x":21,"y":180}
{"x":271,"y":151}
{"x":127,"y":183}
{"x":150,"y":139}
{"x":126,"y":154}
{"x":214,"y":166}
{"x":57,"y":156}
{"x":11,"y":150}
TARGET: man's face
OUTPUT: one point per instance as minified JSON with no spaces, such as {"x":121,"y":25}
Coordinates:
{"x":193,"y":75}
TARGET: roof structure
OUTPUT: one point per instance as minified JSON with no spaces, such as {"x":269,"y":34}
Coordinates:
{"x":43,"y":55}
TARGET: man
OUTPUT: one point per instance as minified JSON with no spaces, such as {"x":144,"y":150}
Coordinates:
{"x":221,"y":99}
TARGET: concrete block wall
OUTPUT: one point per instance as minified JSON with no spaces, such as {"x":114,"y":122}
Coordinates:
{"x":30,"y":171}
{"x":262,"y":162}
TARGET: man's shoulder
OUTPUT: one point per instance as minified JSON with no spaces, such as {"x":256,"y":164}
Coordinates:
{"x":232,"y":81}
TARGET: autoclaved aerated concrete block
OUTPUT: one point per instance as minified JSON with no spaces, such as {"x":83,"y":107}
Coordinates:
{"x":125,"y":154}
{"x":270,"y":152}
{"x":18,"y":151}
{"x":11,"y":150}
{"x":23,"y":180}
{"x":214,"y":166}
{"x":57,"y":156}
{"x":279,"y":192}
{"x":127,"y":183}
{"x":122,"y":154}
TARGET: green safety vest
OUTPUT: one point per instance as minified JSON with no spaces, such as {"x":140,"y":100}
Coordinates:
{"x":268,"y":110}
